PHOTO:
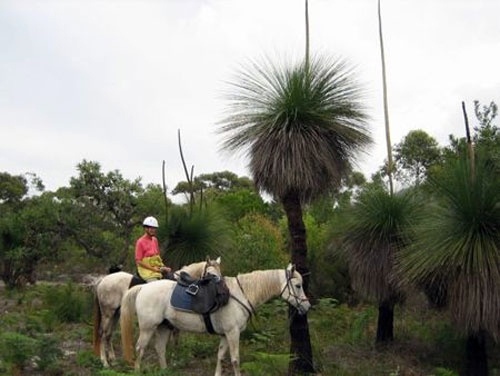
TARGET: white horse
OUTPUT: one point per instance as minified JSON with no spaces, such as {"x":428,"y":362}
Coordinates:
{"x":109,"y":292}
{"x":151,"y":303}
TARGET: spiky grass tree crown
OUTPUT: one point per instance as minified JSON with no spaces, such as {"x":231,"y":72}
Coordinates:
{"x":458,"y":241}
{"x":301,"y":126}
{"x":372,"y":233}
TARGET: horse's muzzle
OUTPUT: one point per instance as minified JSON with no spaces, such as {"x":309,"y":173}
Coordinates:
{"x":303,"y":307}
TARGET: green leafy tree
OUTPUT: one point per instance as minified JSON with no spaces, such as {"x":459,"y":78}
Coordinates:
{"x":486,"y":137}
{"x":258,"y":244}
{"x":324,"y":207}
{"x":13,"y":188}
{"x":239,"y":203}
{"x":225,"y":181}
{"x":487,"y":134}
{"x":213,"y":185}
{"x":152,"y":202}
{"x":28,"y":230}
{"x":101,"y":211}
{"x":301,"y":127}
{"x":414,"y":155}
{"x":458,"y":241}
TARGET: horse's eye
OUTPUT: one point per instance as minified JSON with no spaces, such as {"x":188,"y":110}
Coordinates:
{"x":298,"y":286}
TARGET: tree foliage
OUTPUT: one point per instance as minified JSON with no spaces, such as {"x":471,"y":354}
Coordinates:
{"x":258,"y":244}
{"x":190,"y":236}
{"x":100,"y":211}
{"x":28,"y":230}
{"x":414,"y":155}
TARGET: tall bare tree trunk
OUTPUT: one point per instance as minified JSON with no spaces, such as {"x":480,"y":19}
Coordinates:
{"x":470,"y":146}
{"x":300,"y":346}
{"x":307,"y":35}
{"x":386,"y":105}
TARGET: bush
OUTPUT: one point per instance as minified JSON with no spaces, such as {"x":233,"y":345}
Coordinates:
{"x":258,"y":245}
{"x":88,"y":360}
{"x":47,"y":351}
{"x":68,"y":303}
{"x":16,"y":350}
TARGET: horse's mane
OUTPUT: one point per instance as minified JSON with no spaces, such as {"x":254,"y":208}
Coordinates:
{"x":268,"y":281}
{"x":198,"y":268}
{"x":194,"y":267}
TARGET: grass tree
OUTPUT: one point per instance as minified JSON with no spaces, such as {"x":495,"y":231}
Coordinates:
{"x":301,"y":126}
{"x":373,"y":232}
{"x":459,"y":238}
{"x":191,"y":235}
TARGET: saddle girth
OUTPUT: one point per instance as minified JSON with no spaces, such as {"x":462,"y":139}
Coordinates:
{"x":208,"y":323}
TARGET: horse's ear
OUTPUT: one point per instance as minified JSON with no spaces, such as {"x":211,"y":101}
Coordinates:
{"x":290,"y":268}
{"x":218,"y":260}
{"x":208,"y":258}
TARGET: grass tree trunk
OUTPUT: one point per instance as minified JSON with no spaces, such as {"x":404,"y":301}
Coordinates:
{"x":385,"y":325}
{"x":476,"y":360}
{"x":300,"y":346}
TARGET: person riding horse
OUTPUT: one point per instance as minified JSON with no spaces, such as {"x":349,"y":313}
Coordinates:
{"x":150,"y":266}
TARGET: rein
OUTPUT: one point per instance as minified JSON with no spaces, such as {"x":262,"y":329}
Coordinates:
{"x":251,"y":310}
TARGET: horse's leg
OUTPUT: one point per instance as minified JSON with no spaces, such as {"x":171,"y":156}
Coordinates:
{"x":105,"y":324}
{"x":175,"y":336}
{"x":162,"y":337}
{"x":109,"y":335}
{"x":223,"y":346}
{"x":144,"y":338}
{"x":233,"y":341}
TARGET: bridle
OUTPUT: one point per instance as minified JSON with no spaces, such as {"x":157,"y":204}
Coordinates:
{"x":291,"y":289}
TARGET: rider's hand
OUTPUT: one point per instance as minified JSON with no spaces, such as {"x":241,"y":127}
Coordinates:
{"x":165,"y":269}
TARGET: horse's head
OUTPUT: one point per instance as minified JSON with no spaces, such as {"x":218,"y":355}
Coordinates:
{"x":293,"y":292}
{"x":212,"y":267}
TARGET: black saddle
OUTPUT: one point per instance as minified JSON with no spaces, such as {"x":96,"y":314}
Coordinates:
{"x":202,"y":296}
{"x":136,"y":280}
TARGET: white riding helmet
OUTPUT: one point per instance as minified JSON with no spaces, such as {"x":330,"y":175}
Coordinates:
{"x":150,"y":222}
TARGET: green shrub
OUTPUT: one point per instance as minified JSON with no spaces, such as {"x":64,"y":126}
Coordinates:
{"x":88,"y":360}
{"x":68,"y":303}
{"x":16,"y":350}
{"x":48,"y":351}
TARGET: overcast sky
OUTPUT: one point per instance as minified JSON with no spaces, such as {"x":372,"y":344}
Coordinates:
{"x":113,"y":80}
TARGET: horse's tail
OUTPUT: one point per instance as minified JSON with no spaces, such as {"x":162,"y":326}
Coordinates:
{"x":127,"y":313}
{"x":96,"y":340}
